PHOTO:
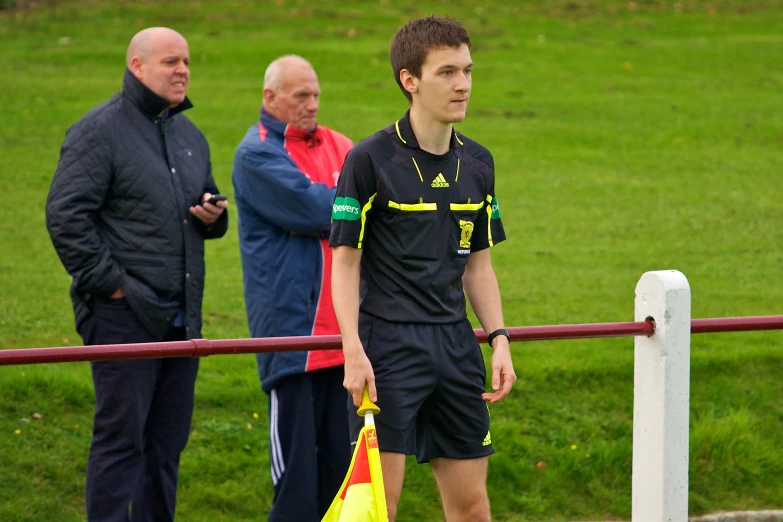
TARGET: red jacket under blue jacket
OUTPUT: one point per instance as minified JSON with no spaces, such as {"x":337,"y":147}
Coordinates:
{"x":284,"y":181}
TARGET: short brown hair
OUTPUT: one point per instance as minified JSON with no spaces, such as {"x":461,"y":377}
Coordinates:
{"x":415,"y":39}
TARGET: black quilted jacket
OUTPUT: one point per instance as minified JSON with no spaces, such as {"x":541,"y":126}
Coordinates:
{"x":117,"y":210}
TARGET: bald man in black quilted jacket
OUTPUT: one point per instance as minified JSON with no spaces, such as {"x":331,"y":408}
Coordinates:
{"x":128,"y":212}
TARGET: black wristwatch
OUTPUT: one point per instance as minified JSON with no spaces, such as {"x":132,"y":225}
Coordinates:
{"x":499,"y":331}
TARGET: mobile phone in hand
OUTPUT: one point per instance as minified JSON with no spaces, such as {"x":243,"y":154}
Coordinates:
{"x":215,"y":198}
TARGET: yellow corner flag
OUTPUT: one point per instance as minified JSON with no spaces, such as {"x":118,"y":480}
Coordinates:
{"x":361,"y":497}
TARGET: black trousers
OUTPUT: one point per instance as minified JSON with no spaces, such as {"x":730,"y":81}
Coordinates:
{"x":143,"y":410}
{"x":309,"y":446}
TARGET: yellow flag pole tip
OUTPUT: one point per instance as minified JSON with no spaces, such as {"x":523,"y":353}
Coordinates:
{"x":367,"y":405}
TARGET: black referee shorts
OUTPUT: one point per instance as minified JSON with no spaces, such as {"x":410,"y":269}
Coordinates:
{"x":429,"y":380}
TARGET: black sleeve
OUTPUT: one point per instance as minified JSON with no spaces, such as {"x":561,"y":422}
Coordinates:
{"x":356,"y":192}
{"x":218,"y":228}
{"x":78,"y":191}
{"x":488,"y":230}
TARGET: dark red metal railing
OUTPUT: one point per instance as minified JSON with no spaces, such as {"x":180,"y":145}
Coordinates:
{"x":205,"y":347}
{"x":737,"y":324}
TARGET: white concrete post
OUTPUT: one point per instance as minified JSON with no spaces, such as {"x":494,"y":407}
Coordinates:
{"x":661,"y":402}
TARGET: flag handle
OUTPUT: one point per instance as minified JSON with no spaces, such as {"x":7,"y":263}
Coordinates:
{"x":367,"y":405}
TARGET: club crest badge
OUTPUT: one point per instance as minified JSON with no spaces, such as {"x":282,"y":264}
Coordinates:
{"x":466,"y":231}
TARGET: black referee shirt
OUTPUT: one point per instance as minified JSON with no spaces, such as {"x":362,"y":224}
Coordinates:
{"x":417,"y":216}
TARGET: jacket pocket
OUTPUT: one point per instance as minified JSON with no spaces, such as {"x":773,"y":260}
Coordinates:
{"x":154,"y":314}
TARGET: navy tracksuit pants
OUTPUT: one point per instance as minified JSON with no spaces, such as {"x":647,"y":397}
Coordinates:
{"x":143,"y":410}
{"x":309,"y":446}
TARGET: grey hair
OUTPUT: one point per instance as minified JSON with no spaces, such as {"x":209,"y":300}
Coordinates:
{"x":273,"y":76}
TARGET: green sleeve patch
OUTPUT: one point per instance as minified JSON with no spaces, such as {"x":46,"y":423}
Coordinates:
{"x":495,"y":208}
{"x":346,"y":209}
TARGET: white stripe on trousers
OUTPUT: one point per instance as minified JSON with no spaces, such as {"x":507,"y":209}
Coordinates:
{"x":275,"y":448}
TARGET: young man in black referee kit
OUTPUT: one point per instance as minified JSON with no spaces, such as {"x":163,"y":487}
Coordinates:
{"x":414,"y":217}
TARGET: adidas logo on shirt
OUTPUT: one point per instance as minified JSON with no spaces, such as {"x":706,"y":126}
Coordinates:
{"x":440,"y":181}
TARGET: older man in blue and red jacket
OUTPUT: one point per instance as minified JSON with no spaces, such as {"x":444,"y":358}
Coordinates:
{"x":285,"y":172}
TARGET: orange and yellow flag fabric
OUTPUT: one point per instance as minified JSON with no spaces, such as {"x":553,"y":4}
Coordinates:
{"x":361,"y":497}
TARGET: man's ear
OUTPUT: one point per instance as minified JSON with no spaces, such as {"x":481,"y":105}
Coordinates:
{"x":269,"y":96}
{"x":136,"y":67}
{"x":409,"y":82}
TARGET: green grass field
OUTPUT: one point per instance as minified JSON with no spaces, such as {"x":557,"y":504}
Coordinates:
{"x":628,"y":137}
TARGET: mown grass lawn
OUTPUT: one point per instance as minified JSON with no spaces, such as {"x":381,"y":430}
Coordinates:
{"x":628,"y":136}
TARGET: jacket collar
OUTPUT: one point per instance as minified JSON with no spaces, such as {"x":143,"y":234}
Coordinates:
{"x":407,"y":137}
{"x":149,"y":103}
{"x":287,"y":131}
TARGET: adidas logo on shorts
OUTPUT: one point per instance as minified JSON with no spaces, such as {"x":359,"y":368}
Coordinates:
{"x":487,"y":440}
{"x":440,"y":181}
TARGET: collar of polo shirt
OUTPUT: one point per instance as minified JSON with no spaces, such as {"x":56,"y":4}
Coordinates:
{"x":407,"y":137}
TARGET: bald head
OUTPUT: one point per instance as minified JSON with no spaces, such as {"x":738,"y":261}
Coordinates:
{"x":159,"y":58}
{"x":291,"y":91}
{"x":143,"y":42}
